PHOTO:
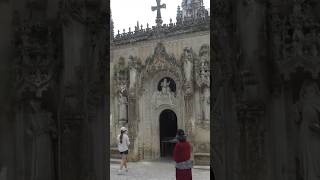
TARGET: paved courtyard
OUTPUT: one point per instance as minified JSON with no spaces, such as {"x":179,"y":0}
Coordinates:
{"x":155,"y":170}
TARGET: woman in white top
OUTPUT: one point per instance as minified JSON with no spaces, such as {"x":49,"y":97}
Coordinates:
{"x":123,"y":143}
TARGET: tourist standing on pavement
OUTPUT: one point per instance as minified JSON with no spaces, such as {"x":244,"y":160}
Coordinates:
{"x":123,"y":143}
{"x":181,"y":155}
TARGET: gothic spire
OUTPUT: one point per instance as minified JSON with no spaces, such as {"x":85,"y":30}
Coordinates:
{"x":179,"y":15}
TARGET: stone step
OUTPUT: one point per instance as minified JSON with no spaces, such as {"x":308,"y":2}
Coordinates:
{"x":115,"y":156}
{"x":115,"y":161}
{"x":114,"y":153}
{"x":114,"y":150}
{"x":202,"y":159}
{"x":202,"y":167}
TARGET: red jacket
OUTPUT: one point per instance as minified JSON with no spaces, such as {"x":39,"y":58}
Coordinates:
{"x":182,"y":151}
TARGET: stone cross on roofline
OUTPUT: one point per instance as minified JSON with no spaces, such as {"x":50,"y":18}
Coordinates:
{"x":158,"y":8}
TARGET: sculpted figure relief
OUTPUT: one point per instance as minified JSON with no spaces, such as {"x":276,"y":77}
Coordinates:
{"x":132,"y":71}
{"x":203,"y":67}
{"x":165,"y":88}
{"x":309,"y":109}
{"x":122,"y":106}
{"x":203,"y":80}
{"x":165,"y":95}
{"x":42,"y":130}
{"x":206,"y":104}
{"x":121,"y":70}
{"x":187,"y":64}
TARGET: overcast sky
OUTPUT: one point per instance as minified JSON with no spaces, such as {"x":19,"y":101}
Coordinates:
{"x":126,"y":13}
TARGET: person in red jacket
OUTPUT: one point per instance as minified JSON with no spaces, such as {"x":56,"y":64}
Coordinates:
{"x":181,"y":155}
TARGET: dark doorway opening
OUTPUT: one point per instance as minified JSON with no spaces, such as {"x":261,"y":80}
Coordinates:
{"x":168,"y":129}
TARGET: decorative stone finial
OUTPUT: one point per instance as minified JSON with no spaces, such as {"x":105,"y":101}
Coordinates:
{"x":179,"y":15}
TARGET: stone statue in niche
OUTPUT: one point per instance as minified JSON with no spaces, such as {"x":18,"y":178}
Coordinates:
{"x":203,"y":67}
{"x":122,"y":106}
{"x":165,"y":88}
{"x":121,"y":76}
{"x":165,"y":95}
{"x":187,"y":63}
{"x":205,"y":105}
{"x":42,"y":130}
{"x":187,"y":60}
{"x":132,"y":72}
{"x":203,"y":80}
{"x":121,"y":71}
{"x":309,"y":110}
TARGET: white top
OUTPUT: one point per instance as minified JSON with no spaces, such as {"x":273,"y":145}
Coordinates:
{"x":125,"y":143}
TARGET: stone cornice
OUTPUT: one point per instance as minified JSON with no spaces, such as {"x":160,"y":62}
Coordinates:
{"x":195,"y":25}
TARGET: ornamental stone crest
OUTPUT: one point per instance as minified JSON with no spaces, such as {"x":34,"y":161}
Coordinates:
{"x":161,"y":61}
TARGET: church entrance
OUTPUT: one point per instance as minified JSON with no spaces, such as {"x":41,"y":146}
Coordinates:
{"x":168,"y":129}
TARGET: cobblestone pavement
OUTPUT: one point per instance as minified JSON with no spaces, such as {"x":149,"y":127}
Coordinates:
{"x":155,"y":170}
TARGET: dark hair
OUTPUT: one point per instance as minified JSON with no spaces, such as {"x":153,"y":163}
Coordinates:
{"x":121,"y":136}
{"x":180,"y":135}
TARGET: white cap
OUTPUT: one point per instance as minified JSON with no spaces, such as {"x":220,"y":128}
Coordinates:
{"x":123,"y":129}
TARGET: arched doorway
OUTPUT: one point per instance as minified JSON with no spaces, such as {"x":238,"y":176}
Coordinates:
{"x":168,"y":128}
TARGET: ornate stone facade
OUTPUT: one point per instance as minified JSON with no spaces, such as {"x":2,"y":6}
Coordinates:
{"x":159,"y":81}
